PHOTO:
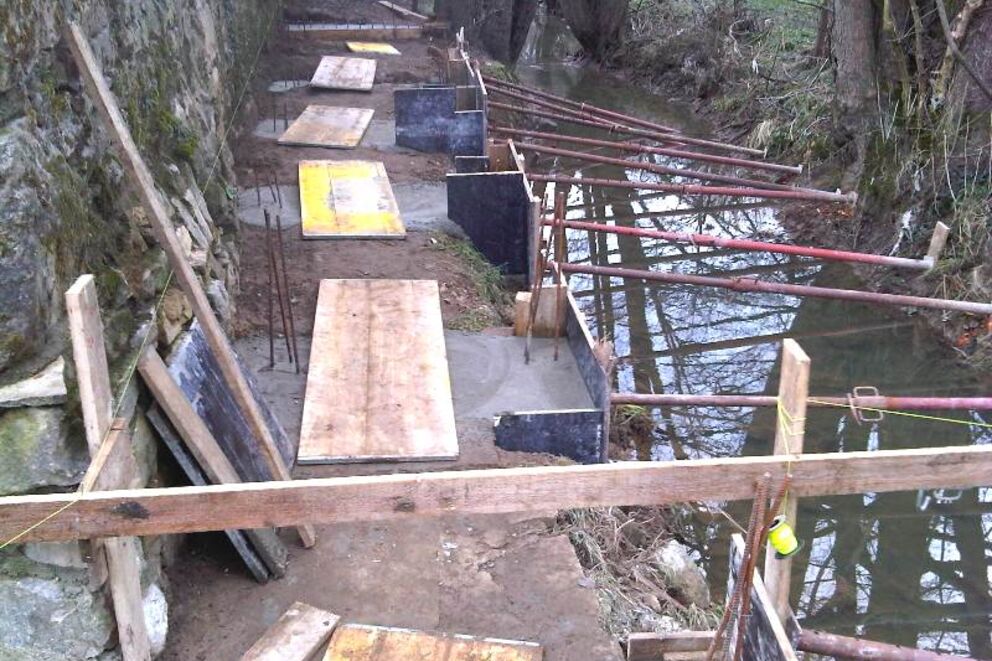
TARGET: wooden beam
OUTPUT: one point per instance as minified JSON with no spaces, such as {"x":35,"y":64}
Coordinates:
{"x":161,"y":223}
{"x":204,"y":448}
{"x":656,"y":646}
{"x":112,"y":465}
{"x":790,"y":427}
{"x":493,"y":491}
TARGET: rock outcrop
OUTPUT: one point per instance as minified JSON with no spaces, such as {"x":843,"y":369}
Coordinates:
{"x":66,"y":208}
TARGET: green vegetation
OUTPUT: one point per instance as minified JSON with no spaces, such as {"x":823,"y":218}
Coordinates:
{"x":487,"y":280}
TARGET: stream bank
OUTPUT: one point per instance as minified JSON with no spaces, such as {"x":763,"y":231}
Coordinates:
{"x":895,"y":567}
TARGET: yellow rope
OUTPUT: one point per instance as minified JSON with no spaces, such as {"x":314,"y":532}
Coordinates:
{"x":126,"y":381}
{"x":39,"y":523}
{"x":905,"y":414}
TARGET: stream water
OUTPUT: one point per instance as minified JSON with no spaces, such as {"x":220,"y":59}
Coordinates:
{"x":905,"y":568}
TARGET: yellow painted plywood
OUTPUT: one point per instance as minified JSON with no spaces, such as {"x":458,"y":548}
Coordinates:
{"x":328,"y":126}
{"x":344,"y":73}
{"x":372,"y":47}
{"x":378,"y":387}
{"x":348,"y":200}
{"x":354,"y":642}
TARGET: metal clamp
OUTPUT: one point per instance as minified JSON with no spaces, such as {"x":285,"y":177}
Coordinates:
{"x":859,"y":414}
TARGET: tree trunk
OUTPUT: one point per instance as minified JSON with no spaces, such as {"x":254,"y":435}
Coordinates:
{"x":853,"y":37}
{"x":597,"y":24}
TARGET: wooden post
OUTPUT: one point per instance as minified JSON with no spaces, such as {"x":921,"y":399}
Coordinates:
{"x":110,"y":451}
{"x":937,"y":242}
{"x":164,"y":231}
{"x":793,"y":391}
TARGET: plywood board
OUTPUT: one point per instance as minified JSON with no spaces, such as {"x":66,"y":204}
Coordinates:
{"x":354,"y":642}
{"x":348,"y":200}
{"x":376,"y":47}
{"x":299,"y":634}
{"x":328,"y":126}
{"x":378,"y":387}
{"x":344,"y":73}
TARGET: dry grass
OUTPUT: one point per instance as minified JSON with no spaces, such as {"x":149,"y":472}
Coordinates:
{"x":617,"y":547}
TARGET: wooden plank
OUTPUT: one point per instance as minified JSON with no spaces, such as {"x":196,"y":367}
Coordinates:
{"x":204,"y":448}
{"x":765,"y":637}
{"x":493,"y":491}
{"x":165,"y":234}
{"x":355,"y":642}
{"x":544,"y":315}
{"x":377,"y":47}
{"x":660,"y":646}
{"x":112,"y":465}
{"x":90,"y":357}
{"x":328,"y":126}
{"x":348,"y":200}
{"x":793,"y":391}
{"x":402,"y":11}
{"x":298,"y":635}
{"x":378,"y":387}
{"x":344,"y":73}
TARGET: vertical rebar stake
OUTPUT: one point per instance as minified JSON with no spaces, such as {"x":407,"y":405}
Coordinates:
{"x":289,"y":297}
{"x":268,"y":270}
{"x":275,"y":274}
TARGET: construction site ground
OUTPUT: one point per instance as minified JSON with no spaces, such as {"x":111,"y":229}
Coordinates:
{"x":497,"y":576}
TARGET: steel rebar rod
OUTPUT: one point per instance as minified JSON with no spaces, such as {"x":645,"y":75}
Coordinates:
{"x":289,"y":297}
{"x":664,"y":169}
{"x":709,"y":240}
{"x":648,"y":149}
{"x":752,"y":285}
{"x":579,"y":105}
{"x":275,"y":274}
{"x":881,"y":402}
{"x":268,"y":270}
{"x":696,"y":189}
{"x":667,"y":138}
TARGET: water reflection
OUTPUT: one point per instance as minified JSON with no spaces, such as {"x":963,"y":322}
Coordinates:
{"x":873,"y":565}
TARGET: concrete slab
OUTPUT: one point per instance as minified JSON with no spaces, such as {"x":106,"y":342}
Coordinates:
{"x":424,"y":207}
{"x":252,"y":213}
{"x":489,"y":376}
{"x":268,"y":130}
{"x":280,"y":86}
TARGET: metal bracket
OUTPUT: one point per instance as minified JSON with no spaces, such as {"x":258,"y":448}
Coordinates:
{"x":859,"y":414}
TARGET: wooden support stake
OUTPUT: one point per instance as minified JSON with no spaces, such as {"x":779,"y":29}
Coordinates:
{"x":793,"y":391}
{"x":112,"y":464}
{"x":164,"y":231}
{"x":937,"y":243}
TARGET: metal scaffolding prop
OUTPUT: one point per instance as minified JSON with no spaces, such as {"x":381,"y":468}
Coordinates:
{"x":694,"y":189}
{"x":709,"y":240}
{"x":752,"y":285}
{"x":657,"y":168}
{"x":637,"y":147}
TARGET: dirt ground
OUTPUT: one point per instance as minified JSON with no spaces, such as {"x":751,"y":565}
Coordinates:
{"x":497,"y":576}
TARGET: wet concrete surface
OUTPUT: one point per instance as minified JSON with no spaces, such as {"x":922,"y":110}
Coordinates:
{"x":489,"y":376}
